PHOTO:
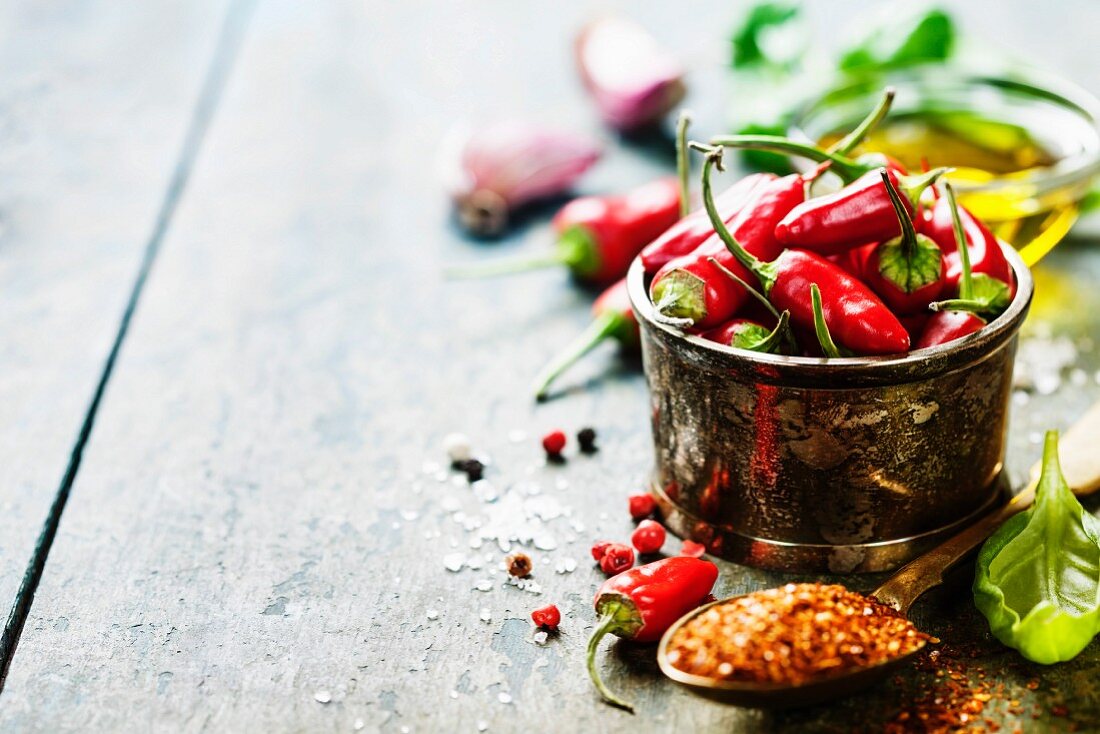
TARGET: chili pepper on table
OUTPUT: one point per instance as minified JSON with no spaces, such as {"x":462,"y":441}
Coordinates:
{"x":640,"y":604}
{"x":990,"y":268}
{"x":905,"y":271}
{"x":693,"y":290}
{"x":613,"y":318}
{"x":597,"y":236}
{"x":860,"y":321}
{"x":948,"y":324}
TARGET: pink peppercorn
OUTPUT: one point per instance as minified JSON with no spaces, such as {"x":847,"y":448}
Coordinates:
{"x":648,"y":537}
{"x":548,"y":617}
{"x":554,"y":443}
{"x":641,"y":505}
{"x":599,"y":548}
{"x":617,"y":558}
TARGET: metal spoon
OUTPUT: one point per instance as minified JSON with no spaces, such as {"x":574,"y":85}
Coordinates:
{"x":1080,"y":459}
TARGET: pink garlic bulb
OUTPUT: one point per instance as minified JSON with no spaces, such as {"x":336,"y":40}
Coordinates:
{"x":510,"y":163}
{"x":633,"y":81}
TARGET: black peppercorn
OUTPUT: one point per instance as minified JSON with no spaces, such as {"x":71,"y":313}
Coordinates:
{"x":474,"y":469}
{"x":586,"y":439}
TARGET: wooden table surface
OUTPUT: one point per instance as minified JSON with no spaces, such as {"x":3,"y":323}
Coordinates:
{"x":227,"y":344}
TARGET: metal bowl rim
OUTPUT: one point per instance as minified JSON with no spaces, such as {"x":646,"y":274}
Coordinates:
{"x":985,"y":340}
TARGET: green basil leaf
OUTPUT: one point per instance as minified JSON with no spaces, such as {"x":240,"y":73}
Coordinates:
{"x":751,"y":45}
{"x":1038,"y":576}
{"x":911,"y":41}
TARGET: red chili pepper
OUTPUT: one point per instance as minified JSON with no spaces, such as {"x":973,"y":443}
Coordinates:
{"x":641,"y":505}
{"x":858,"y":318}
{"x":859,"y":213}
{"x":906,"y":271}
{"x":746,"y":333}
{"x":688,"y":233}
{"x":648,"y":537}
{"x":947,"y":326}
{"x":643,"y":602}
{"x":548,"y":617}
{"x":613,"y":318}
{"x":598,"y":236}
{"x":987,"y":259}
{"x":691,"y":290}
{"x":959,"y":317}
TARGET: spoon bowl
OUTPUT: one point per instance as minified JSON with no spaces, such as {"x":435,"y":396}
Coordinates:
{"x":1081,"y":468}
{"x":774,"y":695}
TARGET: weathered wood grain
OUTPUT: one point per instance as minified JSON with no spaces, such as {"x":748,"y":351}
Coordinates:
{"x":94,"y":101}
{"x":253,"y":541}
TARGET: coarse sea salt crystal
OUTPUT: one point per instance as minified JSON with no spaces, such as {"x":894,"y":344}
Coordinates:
{"x":322,"y":696}
{"x":504,"y":697}
{"x":484,"y":585}
{"x":454,"y":562}
{"x":433,"y":615}
{"x":540,"y":638}
{"x":486,"y":615}
{"x":566,"y":565}
{"x":482,"y":726}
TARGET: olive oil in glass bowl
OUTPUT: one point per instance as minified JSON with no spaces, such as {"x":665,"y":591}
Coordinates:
{"x":1024,"y":152}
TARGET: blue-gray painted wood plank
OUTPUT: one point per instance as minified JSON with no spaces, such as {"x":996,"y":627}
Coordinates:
{"x":94,"y":101}
{"x":253,"y":532}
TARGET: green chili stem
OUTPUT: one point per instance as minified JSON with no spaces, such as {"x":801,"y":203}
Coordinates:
{"x":762,"y":270}
{"x":606,"y":624}
{"x":824,"y":338}
{"x":966,"y":284}
{"x":780,"y":332}
{"x":908,"y":231}
{"x":683,"y":162}
{"x":602,"y":327}
{"x":869,"y":123}
{"x":844,"y":167}
{"x":960,"y":304}
{"x":758,"y":296}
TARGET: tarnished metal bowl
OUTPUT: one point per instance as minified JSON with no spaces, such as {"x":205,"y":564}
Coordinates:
{"x":840,"y":465}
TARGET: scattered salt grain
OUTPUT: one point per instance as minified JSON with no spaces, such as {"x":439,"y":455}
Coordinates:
{"x":540,"y":637}
{"x":566,"y":565}
{"x":358,"y":725}
{"x":454,"y":562}
{"x":453,"y":694}
{"x":486,"y":615}
{"x":433,"y":615}
{"x":322,"y":696}
{"x":504,"y":697}
{"x":457,"y":446}
{"x":484,"y":585}
{"x":482,"y":726}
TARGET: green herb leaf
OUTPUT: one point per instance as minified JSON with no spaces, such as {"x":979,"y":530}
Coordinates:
{"x":1038,"y":576}
{"x":750,"y":43}
{"x":911,"y":41}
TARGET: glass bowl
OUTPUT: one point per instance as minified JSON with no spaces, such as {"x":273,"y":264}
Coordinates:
{"x":1041,"y":134}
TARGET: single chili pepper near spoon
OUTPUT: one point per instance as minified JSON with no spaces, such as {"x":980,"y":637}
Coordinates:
{"x":1081,"y":468}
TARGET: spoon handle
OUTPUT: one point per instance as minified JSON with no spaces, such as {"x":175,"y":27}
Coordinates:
{"x":1080,"y":458}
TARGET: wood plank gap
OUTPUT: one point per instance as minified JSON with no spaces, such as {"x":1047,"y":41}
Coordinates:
{"x":225,"y":53}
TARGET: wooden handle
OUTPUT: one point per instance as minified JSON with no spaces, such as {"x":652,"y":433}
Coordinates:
{"x":1080,"y":458}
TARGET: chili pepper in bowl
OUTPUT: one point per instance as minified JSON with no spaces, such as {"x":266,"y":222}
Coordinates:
{"x":597,"y":236}
{"x":859,"y":319}
{"x":857,"y":214}
{"x":906,"y":271}
{"x":613,"y":318}
{"x":692,"y":290}
{"x":687,"y":234}
{"x":987,"y":259}
{"x":954,"y":319}
{"x":640,"y":604}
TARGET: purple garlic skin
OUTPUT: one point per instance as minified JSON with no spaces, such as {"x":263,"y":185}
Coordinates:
{"x":511,"y":163}
{"x":633,"y":80}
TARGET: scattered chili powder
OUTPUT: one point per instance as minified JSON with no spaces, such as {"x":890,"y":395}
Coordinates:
{"x":519,"y":565}
{"x":791,"y":635}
